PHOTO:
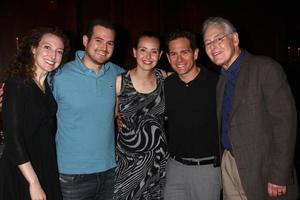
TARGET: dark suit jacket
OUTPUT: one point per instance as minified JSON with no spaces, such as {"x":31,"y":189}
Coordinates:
{"x":262,"y":126}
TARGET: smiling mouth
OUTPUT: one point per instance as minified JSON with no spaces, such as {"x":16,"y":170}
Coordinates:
{"x":49,"y":62}
{"x":147,"y":62}
{"x":101,"y":53}
{"x":180,"y":66}
{"x":217,"y":53}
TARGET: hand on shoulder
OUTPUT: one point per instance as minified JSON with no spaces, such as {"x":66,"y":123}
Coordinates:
{"x":165,"y":73}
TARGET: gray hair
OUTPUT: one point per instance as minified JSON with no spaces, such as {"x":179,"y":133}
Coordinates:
{"x":229,"y":28}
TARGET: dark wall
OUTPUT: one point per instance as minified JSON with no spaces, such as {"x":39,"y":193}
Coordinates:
{"x":263,"y":30}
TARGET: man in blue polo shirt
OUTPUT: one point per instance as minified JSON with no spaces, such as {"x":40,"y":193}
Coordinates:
{"x":85,"y":93}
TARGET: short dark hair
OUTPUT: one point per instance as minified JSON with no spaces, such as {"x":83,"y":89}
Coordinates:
{"x":98,"y":22}
{"x":182,"y":34}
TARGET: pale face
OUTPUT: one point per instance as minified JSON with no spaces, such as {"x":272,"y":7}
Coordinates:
{"x":147,"y":53}
{"x":182,"y":58}
{"x":99,"y":48}
{"x":48,"y":54}
{"x":221,"y":47}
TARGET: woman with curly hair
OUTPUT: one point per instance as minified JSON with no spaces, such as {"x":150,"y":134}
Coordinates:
{"x":28,"y":167}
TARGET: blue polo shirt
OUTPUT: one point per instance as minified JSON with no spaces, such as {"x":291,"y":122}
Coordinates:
{"x":231,"y":75}
{"x":85,"y":117}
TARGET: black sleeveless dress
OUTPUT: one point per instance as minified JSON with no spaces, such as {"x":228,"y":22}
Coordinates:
{"x":141,"y":145}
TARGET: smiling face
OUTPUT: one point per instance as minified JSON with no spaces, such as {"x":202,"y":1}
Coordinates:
{"x":221,"y":46}
{"x":147,"y":52}
{"x":182,"y":58}
{"x":99,"y":47}
{"x":48,"y":54}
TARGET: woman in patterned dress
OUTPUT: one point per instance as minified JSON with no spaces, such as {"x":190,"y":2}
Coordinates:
{"x":141,"y":144}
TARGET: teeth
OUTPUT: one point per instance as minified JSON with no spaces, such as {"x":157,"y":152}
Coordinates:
{"x":49,"y":62}
{"x":216,"y":53}
{"x":102,"y":53}
{"x":147,"y":62}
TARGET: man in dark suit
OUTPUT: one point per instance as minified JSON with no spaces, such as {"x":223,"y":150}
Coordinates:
{"x":257,"y":118}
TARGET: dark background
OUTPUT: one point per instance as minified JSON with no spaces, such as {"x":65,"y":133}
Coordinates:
{"x":265,"y":28}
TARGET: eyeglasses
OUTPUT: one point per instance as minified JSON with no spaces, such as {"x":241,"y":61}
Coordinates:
{"x":218,"y":40}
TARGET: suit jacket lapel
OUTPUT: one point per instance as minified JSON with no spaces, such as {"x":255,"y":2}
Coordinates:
{"x":219,"y":100}
{"x":241,"y":83}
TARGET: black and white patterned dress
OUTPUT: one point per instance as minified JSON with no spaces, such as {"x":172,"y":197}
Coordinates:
{"x":141,"y":145}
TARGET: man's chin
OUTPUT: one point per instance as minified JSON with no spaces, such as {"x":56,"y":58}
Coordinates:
{"x":101,"y":61}
{"x":180,"y":72}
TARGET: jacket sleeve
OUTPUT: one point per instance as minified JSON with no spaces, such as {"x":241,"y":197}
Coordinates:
{"x":281,"y":108}
{"x":13,"y":122}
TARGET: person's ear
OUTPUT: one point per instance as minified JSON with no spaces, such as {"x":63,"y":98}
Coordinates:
{"x":33,"y":50}
{"x":134,"y":52}
{"x":161,"y":52}
{"x":196,"y":53}
{"x":235,"y":39}
{"x":85,"y":40}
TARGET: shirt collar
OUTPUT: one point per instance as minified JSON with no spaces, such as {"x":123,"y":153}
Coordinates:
{"x":82,"y":66}
{"x":232,"y":72}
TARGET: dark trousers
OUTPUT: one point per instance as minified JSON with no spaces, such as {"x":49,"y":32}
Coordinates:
{"x":96,"y":186}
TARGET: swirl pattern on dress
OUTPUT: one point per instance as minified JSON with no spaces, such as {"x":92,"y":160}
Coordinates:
{"x":141,"y":144}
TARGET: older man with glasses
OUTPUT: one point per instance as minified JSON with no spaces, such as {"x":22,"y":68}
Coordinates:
{"x":257,"y":118}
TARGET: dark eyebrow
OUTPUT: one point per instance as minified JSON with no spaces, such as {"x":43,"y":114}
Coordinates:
{"x":97,"y":37}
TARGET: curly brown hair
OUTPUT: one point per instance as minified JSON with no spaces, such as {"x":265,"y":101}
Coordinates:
{"x":22,"y":64}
